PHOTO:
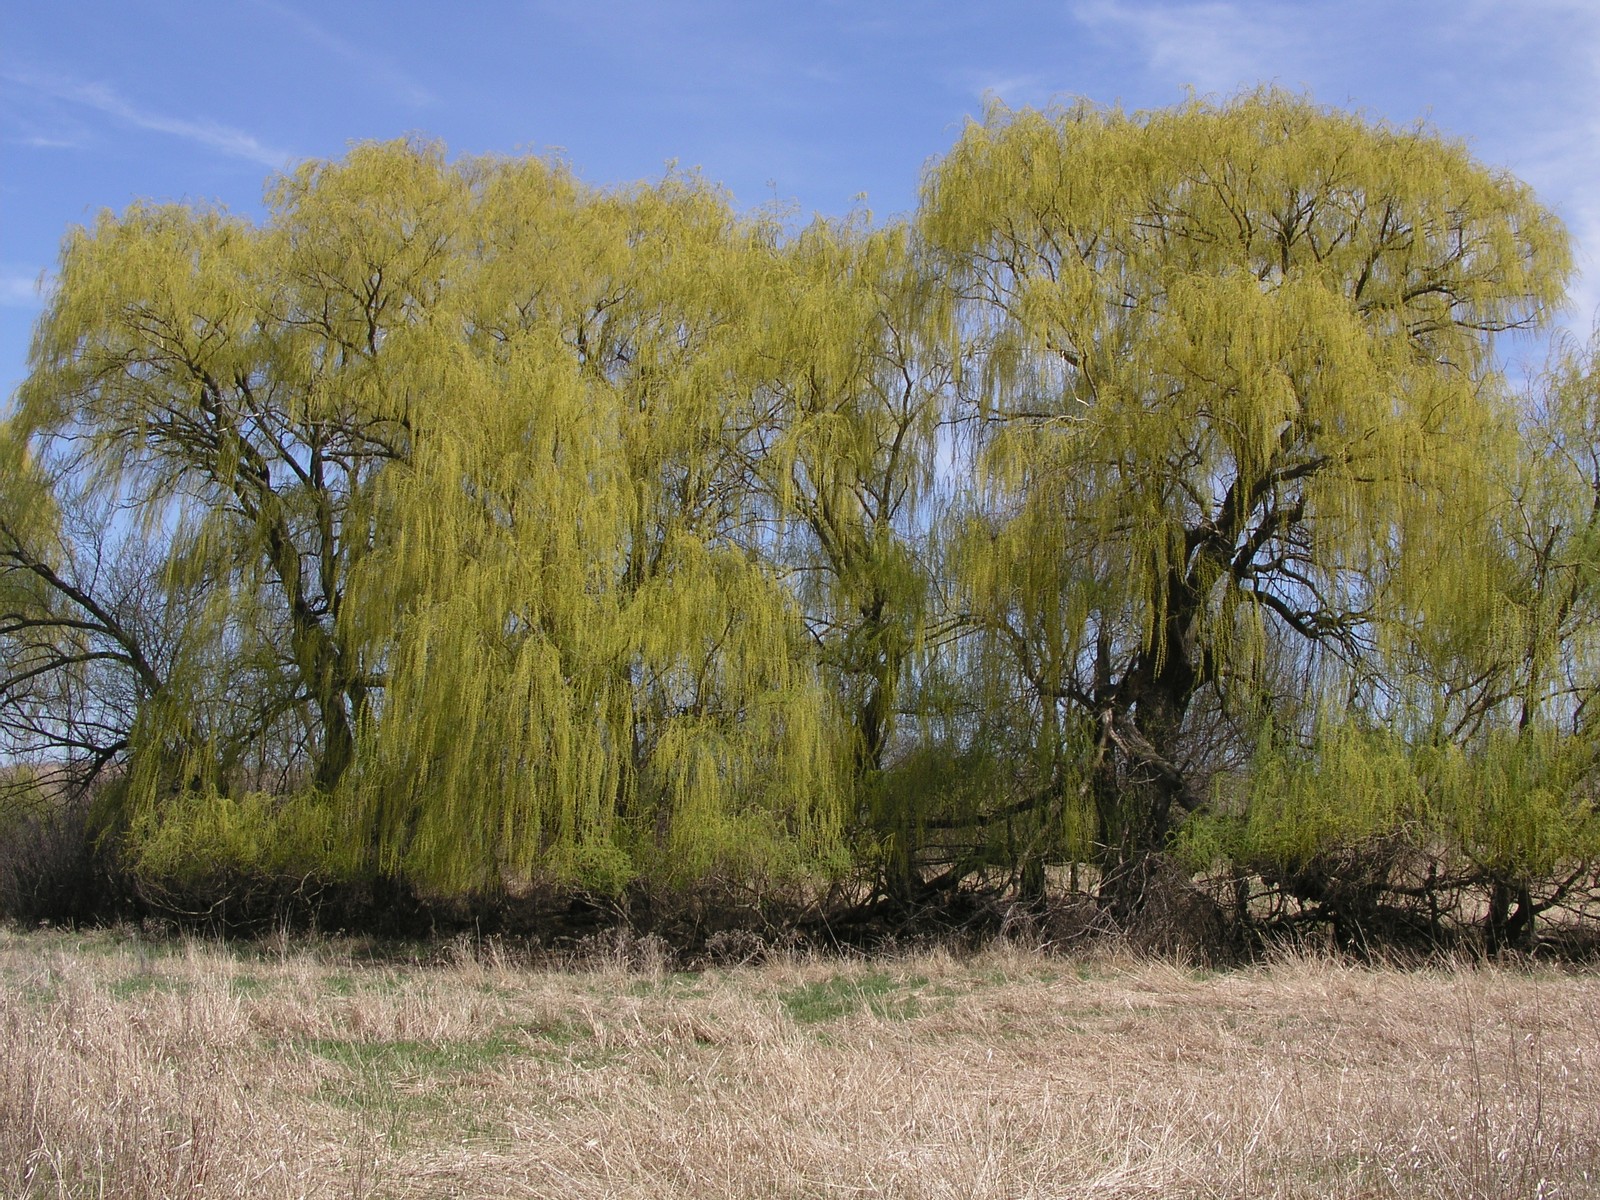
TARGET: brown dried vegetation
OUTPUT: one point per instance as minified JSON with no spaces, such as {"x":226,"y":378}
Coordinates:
{"x":132,"y":1069}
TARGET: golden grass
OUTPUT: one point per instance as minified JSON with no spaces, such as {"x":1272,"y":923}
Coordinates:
{"x":185,"y":1069}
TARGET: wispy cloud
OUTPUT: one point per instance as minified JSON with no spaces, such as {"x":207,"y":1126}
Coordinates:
{"x":19,"y":289}
{"x":1013,"y":90}
{"x":42,"y":142}
{"x":375,"y":67}
{"x":1545,"y":130}
{"x":1215,"y":45}
{"x":103,"y":99}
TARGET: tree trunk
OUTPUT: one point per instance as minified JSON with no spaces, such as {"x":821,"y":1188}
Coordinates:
{"x":1137,"y":787}
{"x":1507,"y":927}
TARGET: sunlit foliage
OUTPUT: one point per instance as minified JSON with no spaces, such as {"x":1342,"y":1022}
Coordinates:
{"x":1239,"y":398}
{"x":1157,"y":485}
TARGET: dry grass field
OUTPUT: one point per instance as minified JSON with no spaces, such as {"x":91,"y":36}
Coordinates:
{"x":189,"y":1069}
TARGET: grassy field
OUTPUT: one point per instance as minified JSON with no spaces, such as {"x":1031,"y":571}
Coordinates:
{"x":188,"y":1069}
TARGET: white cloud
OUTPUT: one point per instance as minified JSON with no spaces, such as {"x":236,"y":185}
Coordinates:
{"x":1549,"y":134}
{"x":1522,"y":75}
{"x":103,"y":99}
{"x":19,"y":289}
{"x":1217,"y":46}
{"x":1012,"y":90}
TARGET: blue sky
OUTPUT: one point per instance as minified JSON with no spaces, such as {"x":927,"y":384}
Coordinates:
{"x":815,"y":103}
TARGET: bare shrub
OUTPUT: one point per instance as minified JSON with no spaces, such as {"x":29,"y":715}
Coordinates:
{"x":48,"y":868}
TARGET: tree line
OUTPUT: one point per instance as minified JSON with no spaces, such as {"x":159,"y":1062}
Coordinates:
{"x":1151,"y":508}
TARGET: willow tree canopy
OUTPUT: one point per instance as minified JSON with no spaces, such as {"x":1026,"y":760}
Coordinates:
{"x":1240,"y":397}
{"x":464,"y":523}
{"x":448,"y":464}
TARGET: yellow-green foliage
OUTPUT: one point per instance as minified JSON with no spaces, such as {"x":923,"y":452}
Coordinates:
{"x":1517,"y":804}
{"x":21,"y":796}
{"x":1208,"y":315}
{"x":30,"y":527}
{"x":1521,"y":803}
{"x":1519,"y":645}
{"x":201,"y":837}
{"x":591,"y":676}
{"x":1242,"y":407}
{"x":853,"y":338}
{"x":1355,"y":787}
{"x":500,"y":529}
{"x":449,"y":460}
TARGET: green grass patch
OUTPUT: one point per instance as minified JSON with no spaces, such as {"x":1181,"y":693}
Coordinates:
{"x":878,"y":992}
{"x":389,"y":1061}
{"x":338,"y":983}
{"x":33,"y":992}
{"x":135,"y":986}
{"x":557,"y":1034}
{"x":248,"y":985}
{"x":677,"y":984}
{"x":406,"y":1088}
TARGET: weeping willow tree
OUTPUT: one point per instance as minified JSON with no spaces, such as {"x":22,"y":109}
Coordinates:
{"x":1238,"y":374}
{"x":440,"y":475}
{"x":233,"y":393}
{"x":1457,"y":782}
{"x":1501,"y":696}
{"x":595,"y":675}
{"x":464,"y":524}
{"x":858,"y":395}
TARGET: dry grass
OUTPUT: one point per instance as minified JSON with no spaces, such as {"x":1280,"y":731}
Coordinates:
{"x":179,"y":1069}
